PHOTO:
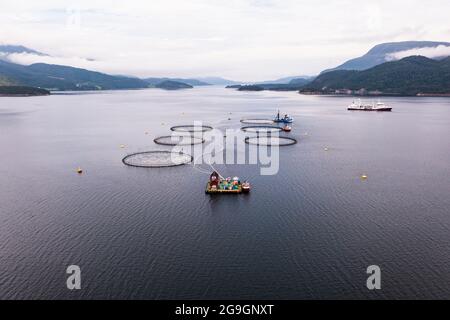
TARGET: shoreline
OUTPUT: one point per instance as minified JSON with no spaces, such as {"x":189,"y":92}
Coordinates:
{"x":23,"y":95}
{"x":419,"y":95}
{"x":22,"y":91}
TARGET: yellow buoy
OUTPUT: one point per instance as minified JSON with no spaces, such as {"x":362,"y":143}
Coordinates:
{"x":122,"y":146}
{"x":364,"y":177}
{"x":79,"y":170}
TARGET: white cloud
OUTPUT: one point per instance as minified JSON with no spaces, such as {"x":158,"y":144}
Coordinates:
{"x":429,"y":52}
{"x":30,"y":58}
{"x":242,"y":39}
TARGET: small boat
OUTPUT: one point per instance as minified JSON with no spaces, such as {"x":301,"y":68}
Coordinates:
{"x":379,"y":106}
{"x":246,"y":187}
{"x":217,"y":184}
{"x":286,"y":128}
{"x":286,"y":119}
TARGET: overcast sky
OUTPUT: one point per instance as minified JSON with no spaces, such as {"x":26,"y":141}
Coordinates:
{"x":247,"y":40}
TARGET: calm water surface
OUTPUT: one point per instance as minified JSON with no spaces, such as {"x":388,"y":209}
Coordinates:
{"x":308,"y":232}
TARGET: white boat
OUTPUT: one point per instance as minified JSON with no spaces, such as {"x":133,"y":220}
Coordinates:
{"x":379,"y":106}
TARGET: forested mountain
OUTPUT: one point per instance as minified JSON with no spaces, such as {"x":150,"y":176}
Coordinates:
{"x":381,"y":54}
{"x":408,"y":76}
{"x":58,"y":77}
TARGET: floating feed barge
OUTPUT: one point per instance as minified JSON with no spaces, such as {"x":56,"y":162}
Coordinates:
{"x":219,"y":185}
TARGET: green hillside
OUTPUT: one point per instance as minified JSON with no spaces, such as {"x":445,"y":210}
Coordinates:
{"x":56,"y":77}
{"x":379,"y":54}
{"x":409,"y":76}
{"x":172,"y":85}
{"x":4,"y":81}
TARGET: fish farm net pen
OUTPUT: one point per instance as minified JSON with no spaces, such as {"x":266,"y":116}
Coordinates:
{"x":261,"y":129}
{"x":270,"y":141}
{"x":191,"y":128}
{"x":157,"y":159}
{"x":178,"y":140}
{"x":257,"y":121}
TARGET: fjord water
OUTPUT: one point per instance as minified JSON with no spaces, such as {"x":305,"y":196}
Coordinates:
{"x":308,"y":232}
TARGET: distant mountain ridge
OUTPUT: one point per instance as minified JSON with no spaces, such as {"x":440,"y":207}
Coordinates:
{"x":218,"y":81}
{"x":380,"y":53}
{"x":8,"y":49}
{"x":60,"y":77}
{"x":172,"y":85}
{"x":286,"y":80}
{"x":56,"y":77}
{"x":409,"y":76}
{"x":295,"y":86}
{"x":406,"y":76}
{"x":283,"y":84}
{"x":189,"y":81}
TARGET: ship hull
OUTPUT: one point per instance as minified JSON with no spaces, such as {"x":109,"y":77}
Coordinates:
{"x":283,"y":121}
{"x":363,"y":109}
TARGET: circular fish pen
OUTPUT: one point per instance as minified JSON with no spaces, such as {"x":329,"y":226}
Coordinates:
{"x":185,"y":140}
{"x":258,"y":129}
{"x":257,"y":121}
{"x":270,"y":141}
{"x":157,"y":159}
{"x":191,"y":128}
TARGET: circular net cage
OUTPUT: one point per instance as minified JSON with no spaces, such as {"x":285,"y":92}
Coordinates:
{"x":257,"y":121}
{"x":157,"y":159}
{"x":270,"y":141}
{"x":191,"y":128}
{"x":261,"y":129}
{"x":178,"y":140}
